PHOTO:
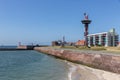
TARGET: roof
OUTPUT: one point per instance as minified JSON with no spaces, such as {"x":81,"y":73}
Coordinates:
{"x":80,"y":42}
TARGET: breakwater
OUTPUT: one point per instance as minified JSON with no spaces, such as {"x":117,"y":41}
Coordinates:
{"x":14,"y":49}
{"x":99,"y":60}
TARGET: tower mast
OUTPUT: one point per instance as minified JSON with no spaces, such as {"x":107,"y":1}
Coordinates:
{"x":86,"y":23}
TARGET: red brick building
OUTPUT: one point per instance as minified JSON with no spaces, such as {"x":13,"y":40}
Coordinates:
{"x":118,"y":44}
{"x":80,"y":43}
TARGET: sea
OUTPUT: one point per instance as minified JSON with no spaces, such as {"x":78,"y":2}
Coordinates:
{"x":32,"y":65}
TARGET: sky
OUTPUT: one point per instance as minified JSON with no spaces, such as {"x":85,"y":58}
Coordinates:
{"x":43,"y":21}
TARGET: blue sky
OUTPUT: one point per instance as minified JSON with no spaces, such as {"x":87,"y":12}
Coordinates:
{"x":42,"y":21}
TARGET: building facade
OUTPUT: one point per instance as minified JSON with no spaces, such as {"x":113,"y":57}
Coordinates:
{"x":103,"y":39}
{"x":80,"y":43}
{"x":118,"y":44}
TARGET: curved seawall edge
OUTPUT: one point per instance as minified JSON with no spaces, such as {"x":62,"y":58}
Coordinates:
{"x":100,"y":61}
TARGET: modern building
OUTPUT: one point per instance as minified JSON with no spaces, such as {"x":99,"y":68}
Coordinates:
{"x":110,"y":38}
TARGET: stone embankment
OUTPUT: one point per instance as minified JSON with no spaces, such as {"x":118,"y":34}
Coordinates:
{"x":96,"y":60}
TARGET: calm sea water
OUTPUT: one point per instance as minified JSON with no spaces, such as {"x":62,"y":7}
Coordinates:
{"x":31,"y":65}
{"x":8,"y":46}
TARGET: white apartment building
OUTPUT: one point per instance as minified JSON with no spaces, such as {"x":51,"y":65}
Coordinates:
{"x":110,"y":38}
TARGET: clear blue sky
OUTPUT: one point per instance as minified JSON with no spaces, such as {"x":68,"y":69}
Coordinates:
{"x":42,"y":21}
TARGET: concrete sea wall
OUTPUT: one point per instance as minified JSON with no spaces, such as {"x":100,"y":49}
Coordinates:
{"x":101,"y":61}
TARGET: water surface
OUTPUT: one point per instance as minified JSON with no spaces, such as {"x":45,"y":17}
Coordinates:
{"x":31,"y":65}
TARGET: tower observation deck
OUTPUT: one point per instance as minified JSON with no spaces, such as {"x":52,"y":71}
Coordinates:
{"x":86,"y":23}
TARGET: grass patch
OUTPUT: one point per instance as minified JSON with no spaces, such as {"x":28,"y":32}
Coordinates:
{"x":98,"y":48}
{"x":80,"y":48}
{"x":113,"y":49}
